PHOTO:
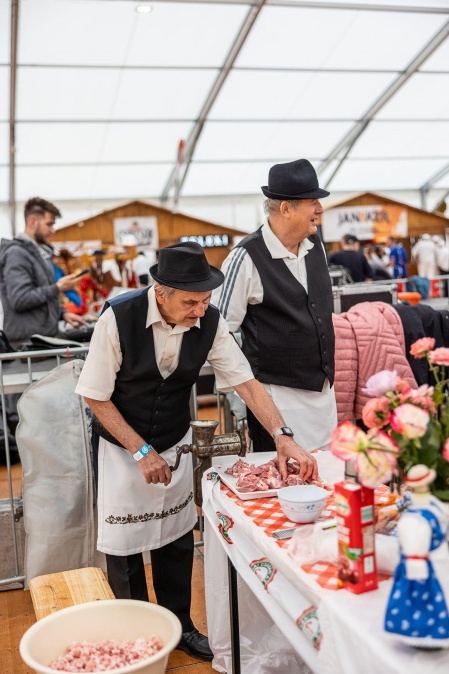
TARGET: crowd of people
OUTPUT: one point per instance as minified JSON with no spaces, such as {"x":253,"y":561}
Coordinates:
{"x":389,"y":260}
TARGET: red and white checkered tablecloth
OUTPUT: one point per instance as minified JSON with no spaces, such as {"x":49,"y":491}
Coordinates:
{"x":267,"y":514}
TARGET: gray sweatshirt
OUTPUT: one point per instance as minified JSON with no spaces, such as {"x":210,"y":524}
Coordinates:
{"x":28,"y":291}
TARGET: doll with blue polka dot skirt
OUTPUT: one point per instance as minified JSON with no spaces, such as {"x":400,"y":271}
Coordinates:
{"x":417,"y":610}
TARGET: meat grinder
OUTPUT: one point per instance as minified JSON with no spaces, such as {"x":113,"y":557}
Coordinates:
{"x":205,"y":445}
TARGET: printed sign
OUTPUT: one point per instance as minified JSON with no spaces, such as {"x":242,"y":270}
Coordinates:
{"x":208,"y":240}
{"x":141,"y":231}
{"x":365,"y":222}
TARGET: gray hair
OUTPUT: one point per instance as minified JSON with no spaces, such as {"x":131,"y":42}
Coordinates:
{"x":165,"y":291}
{"x":271,"y":206}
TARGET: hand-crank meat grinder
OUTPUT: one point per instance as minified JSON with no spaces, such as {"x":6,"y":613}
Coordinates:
{"x":206,"y":445}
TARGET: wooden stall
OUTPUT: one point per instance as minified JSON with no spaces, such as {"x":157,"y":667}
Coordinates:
{"x":217,"y":240}
{"x":372,"y":217}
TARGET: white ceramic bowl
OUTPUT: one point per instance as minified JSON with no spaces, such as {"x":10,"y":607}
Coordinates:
{"x":302,"y":503}
{"x":118,"y":619}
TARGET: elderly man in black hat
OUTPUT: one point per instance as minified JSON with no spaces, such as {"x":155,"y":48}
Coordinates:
{"x":277,"y":292}
{"x":145,"y":355}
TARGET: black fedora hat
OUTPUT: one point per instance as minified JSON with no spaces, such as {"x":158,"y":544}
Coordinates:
{"x":293,"y":180}
{"x":184,"y":266}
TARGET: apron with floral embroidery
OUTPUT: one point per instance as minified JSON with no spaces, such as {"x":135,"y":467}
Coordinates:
{"x":134,"y":516}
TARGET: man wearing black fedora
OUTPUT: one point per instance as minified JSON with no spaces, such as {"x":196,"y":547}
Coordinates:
{"x":277,"y":292}
{"x":145,"y":355}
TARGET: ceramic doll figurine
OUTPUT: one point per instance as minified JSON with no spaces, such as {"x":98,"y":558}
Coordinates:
{"x":417,"y":608}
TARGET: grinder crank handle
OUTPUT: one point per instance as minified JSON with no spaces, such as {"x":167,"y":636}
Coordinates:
{"x":183,"y":449}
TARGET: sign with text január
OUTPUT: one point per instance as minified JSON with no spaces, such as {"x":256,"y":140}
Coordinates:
{"x":365,"y":222}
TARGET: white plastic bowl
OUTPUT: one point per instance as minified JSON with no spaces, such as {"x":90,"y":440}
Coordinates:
{"x":302,"y":503}
{"x":118,"y":619}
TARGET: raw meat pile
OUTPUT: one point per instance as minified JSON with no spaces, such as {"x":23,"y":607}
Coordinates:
{"x":105,"y":656}
{"x":266,"y":476}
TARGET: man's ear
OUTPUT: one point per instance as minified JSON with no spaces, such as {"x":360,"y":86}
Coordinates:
{"x":159,"y":297}
{"x":31,"y":223}
{"x":285,"y":209}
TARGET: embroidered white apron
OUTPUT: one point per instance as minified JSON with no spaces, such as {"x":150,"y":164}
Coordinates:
{"x":134,"y":516}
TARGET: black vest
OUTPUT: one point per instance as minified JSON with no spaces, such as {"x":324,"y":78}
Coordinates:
{"x":156,"y":408}
{"x":289,"y":337}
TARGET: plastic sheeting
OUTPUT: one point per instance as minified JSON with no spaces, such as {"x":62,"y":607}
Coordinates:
{"x":57,"y":475}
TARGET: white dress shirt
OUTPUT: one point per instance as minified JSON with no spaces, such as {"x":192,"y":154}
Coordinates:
{"x":311,"y":415}
{"x":97,"y":379}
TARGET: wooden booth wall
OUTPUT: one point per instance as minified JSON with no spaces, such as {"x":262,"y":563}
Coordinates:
{"x":171,"y":227}
{"x":419,"y":221}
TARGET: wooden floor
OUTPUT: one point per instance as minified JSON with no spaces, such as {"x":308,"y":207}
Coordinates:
{"x":17,"y":614}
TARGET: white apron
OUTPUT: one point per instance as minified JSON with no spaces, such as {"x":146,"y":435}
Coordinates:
{"x":312,"y":415}
{"x":134,"y":516}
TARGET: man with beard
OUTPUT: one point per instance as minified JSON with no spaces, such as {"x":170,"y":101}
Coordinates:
{"x":30,"y":295}
{"x":29,"y":291}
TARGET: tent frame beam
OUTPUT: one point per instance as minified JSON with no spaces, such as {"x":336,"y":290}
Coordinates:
{"x":434,"y":179}
{"x":311,"y":4}
{"x":193,"y":68}
{"x":195,"y":133}
{"x":12,"y":113}
{"x":348,"y":141}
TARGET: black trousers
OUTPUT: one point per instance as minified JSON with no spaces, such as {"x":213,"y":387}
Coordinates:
{"x":172,"y":577}
{"x":261,"y":439}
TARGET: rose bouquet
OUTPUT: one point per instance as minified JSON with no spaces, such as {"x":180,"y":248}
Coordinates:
{"x":405,"y":426}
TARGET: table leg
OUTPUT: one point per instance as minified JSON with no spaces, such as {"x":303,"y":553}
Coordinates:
{"x":234,"y":617}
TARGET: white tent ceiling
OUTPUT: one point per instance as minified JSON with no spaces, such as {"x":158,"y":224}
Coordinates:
{"x":104,"y":94}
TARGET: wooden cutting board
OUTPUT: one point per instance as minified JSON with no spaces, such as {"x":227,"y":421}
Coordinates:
{"x":54,"y":591}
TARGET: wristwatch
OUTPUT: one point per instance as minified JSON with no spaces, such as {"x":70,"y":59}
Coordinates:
{"x":285,"y":430}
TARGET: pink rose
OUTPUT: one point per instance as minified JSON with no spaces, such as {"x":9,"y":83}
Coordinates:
{"x":422,"y":346}
{"x":374,"y":469}
{"x":381,"y":440}
{"x":446,"y":450}
{"x":376,"y":412}
{"x":402,"y":385}
{"x":439,"y":356}
{"x":380,"y":383}
{"x":410,"y":421}
{"x":422,"y":396}
{"x":347,"y":440}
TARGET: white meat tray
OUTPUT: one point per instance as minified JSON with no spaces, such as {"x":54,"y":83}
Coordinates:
{"x":220,"y":463}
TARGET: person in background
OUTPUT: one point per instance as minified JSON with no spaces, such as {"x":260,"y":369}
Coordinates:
{"x":424,"y":252}
{"x":96,"y":267}
{"x":351,"y":257}
{"x":398,"y":257}
{"x":380,"y":273}
{"x":30,"y":294}
{"x":442,"y":247}
{"x":145,"y":355}
{"x":72,"y":297}
{"x":278,"y":292}
{"x":141,"y":265}
{"x":28,"y":288}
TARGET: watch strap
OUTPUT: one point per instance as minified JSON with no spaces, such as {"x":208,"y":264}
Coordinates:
{"x":280,"y":431}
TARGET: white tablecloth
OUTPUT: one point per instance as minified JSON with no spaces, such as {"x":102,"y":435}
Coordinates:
{"x":289,"y":623}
